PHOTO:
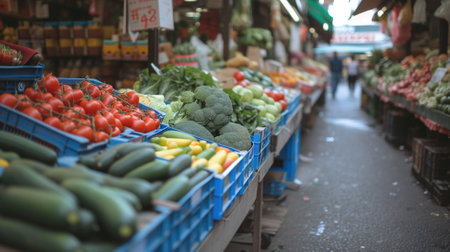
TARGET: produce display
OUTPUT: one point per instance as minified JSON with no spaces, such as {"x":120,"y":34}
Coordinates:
{"x":256,"y":37}
{"x":86,"y":110}
{"x":185,"y":54}
{"x":9,"y":56}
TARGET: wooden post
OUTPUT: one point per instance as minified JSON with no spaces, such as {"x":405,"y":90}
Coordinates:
{"x":443,"y":36}
{"x":153,"y":49}
{"x":226,"y":29}
{"x":257,"y":218}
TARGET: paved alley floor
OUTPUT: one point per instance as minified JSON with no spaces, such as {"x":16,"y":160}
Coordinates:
{"x":357,"y":192}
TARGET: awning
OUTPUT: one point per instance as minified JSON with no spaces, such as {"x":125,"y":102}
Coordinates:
{"x":366,"y":5}
{"x":316,"y":11}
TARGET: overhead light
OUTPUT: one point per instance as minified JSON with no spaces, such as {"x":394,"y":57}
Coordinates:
{"x":325,"y":27}
{"x":321,"y":2}
{"x":190,"y":0}
{"x":192,"y":14}
{"x":312,"y":30}
{"x":381,"y":11}
{"x":290,"y":10}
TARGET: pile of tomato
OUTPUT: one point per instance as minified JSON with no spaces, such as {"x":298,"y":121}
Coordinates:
{"x":86,"y":110}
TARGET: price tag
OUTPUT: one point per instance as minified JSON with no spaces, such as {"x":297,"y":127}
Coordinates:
{"x":438,"y":75}
{"x":149,"y":14}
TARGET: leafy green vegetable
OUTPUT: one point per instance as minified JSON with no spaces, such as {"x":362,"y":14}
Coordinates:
{"x":244,"y":113}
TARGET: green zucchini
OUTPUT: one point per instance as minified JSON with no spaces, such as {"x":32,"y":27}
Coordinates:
{"x":155,"y":170}
{"x":198,"y":177}
{"x":125,"y":195}
{"x":28,"y":237}
{"x":27,"y":177}
{"x":130,"y":147}
{"x":131,"y":161}
{"x":35,"y":165}
{"x":41,"y":207}
{"x":189,"y":172}
{"x":99,"y":246}
{"x":9,"y":156}
{"x":208,"y":153}
{"x":179,"y":163}
{"x":116,"y":218}
{"x":139,"y":187}
{"x":89,"y":160}
{"x":106,"y":158}
{"x":59,"y":174}
{"x":87,"y":225}
{"x":27,"y":148}
{"x":177,"y":134}
{"x":174,"y":189}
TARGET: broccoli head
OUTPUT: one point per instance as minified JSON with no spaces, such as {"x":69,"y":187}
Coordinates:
{"x":195,"y":129}
{"x":234,"y":135}
{"x":211,"y":108}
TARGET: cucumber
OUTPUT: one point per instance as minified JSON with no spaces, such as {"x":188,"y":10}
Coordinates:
{"x":189,"y":172}
{"x":177,"y":134}
{"x":130,"y":147}
{"x":41,"y":207}
{"x":155,"y":170}
{"x":117,"y":219}
{"x":99,"y":246}
{"x":27,"y":177}
{"x":87,"y":225}
{"x":27,"y":148}
{"x":131,"y":161}
{"x":106,"y":159}
{"x":208,"y":153}
{"x":125,"y":195}
{"x":198,"y":177}
{"x":88,"y":160}
{"x":139,"y":187}
{"x":174,"y":189}
{"x":59,"y":174}
{"x":35,"y":165}
{"x":179,"y":163}
{"x":9,"y":156}
{"x":28,"y":237}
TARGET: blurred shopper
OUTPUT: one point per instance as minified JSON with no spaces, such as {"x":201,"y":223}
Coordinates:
{"x":352,"y":73}
{"x":336,"y":72}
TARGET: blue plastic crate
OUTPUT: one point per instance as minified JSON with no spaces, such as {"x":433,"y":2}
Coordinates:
{"x":247,"y":172}
{"x":261,"y":142}
{"x":294,"y":103}
{"x":284,"y":117}
{"x":15,"y":79}
{"x":153,"y":236}
{"x":273,"y":187}
{"x":194,"y":220}
{"x":225,"y":183}
{"x":291,"y":151}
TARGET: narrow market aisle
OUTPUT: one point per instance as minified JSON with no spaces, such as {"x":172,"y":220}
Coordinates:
{"x":357,"y":192}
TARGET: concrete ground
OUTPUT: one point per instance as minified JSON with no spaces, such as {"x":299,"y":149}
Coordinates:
{"x":357,"y":192}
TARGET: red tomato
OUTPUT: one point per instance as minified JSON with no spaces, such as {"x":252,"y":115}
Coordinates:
{"x":77,"y":95}
{"x":277,"y":96}
{"x":81,"y":112}
{"x":158,"y":123}
{"x":45,"y":109}
{"x":54,"y":122}
{"x":125,"y":109}
{"x":283,"y":104}
{"x":110,"y":118}
{"x":32,"y":112}
{"x":101,"y":123}
{"x":49,"y":84}
{"x":8,"y":100}
{"x":108,"y":88}
{"x":43,"y":97}
{"x":85,"y":122}
{"x":138,"y":125}
{"x":116,"y":132}
{"x":91,"y":107}
{"x":150,"y":124}
{"x":119,"y":125}
{"x":114,"y":112}
{"x":126,"y":120}
{"x":152,"y":113}
{"x":239,"y":76}
{"x":68,"y":125}
{"x":133,"y":98}
{"x":118,"y":105}
{"x":93,"y":91}
{"x":84,"y":131}
{"x":70,"y":114}
{"x":108,"y":99}
{"x":101,"y":136}
{"x":24,"y":103}
{"x":31,"y":93}
{"x":68,"y":98}
{"x":84,"y":84}
{"x":65,"y":88}
{"x":57,"y":104}
{"x":245,"y":83}
{"x":268,"y":92}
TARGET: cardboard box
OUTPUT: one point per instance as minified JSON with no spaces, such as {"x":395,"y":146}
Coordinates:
{"x":225,"y":77}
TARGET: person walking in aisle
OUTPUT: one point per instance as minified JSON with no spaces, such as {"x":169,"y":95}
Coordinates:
{"x":336,"y":72}
{"x":352,"y":73}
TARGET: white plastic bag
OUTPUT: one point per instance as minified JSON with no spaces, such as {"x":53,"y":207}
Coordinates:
{"x":202,"y":52}
{"x":443,"y":11}
{"x":419,"y":12}
{"x":280,"y":52}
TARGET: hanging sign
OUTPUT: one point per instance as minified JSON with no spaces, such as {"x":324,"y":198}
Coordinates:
{"x":149,"y":14}
{"x":438,"y":74}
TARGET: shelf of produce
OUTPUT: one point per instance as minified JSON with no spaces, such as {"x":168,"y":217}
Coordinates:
{"x":280,"y":139}
{"x":310,"y":100}
{"x":224,"y":230}
{"x":369,"y":91}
